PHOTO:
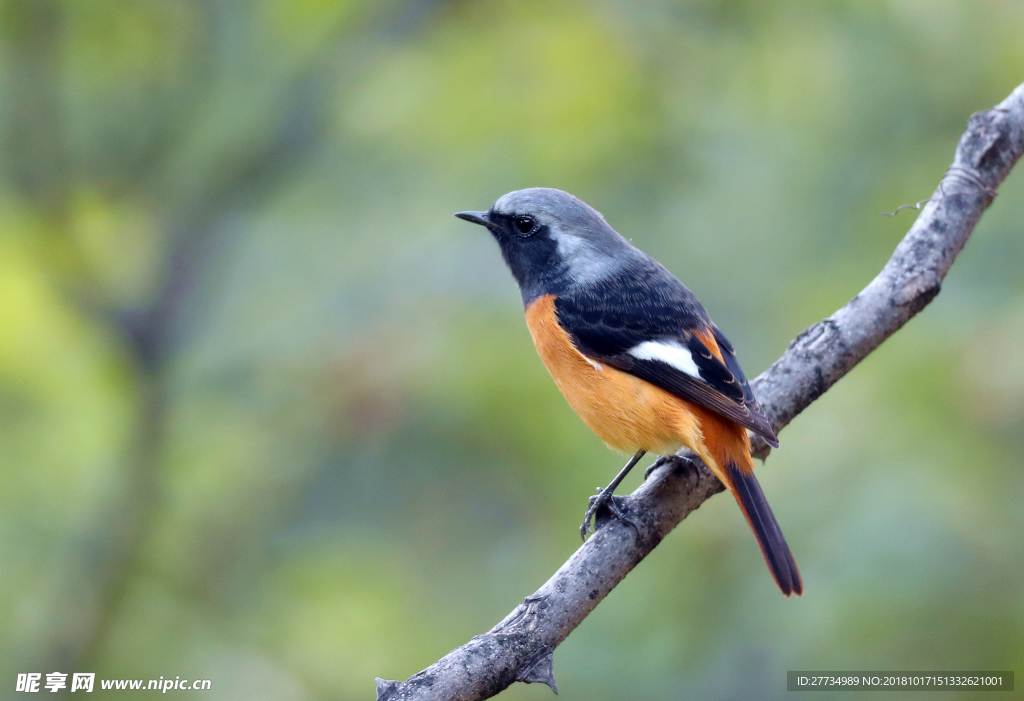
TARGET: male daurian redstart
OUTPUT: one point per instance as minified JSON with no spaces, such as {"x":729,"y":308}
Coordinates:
{"x":633,"y":351}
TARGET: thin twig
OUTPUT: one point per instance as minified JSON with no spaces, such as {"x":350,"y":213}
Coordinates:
{"x":521,"y":647}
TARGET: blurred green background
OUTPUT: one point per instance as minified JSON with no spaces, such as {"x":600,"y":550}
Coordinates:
{"x":270,"y":416}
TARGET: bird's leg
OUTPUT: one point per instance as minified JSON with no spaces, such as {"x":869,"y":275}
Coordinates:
{"x":605,"y":497}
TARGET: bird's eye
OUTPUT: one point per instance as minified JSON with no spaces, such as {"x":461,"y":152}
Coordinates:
{"x":525,"y":225}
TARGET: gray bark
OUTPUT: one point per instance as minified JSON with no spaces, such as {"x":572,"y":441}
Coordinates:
{"x":520,"y":647}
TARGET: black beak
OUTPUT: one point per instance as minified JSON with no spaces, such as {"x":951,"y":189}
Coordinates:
{"x":475,"y":217}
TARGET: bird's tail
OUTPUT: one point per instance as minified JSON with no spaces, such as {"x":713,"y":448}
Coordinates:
{"x":762,"y":521}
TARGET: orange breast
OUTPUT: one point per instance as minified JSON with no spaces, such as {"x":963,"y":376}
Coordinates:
{"x":626,"y":412}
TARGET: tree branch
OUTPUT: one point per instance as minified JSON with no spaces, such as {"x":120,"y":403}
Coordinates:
{"x":520,"y":648}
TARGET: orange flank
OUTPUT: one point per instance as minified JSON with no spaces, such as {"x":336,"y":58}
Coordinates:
{"x":630,"y":414}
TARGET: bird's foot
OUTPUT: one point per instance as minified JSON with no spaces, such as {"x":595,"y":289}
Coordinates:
{"x":656,"y":464}
{"x":603,"y":500}
{"x":683,"y":461}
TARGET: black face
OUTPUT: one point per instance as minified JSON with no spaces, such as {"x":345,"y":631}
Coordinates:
{"x":528,"y":249}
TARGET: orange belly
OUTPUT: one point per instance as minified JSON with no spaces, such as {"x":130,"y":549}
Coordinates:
{"x":628,"y":413}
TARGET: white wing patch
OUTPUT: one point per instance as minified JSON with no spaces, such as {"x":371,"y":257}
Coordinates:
{"x":669,"y":352}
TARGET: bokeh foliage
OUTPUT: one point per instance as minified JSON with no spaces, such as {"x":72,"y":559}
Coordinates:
{"x":269,"y":415}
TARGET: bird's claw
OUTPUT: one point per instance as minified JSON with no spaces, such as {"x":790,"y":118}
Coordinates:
{"x":682,"y":459}
{"x":603,"y":500}
{"x":655,"y":465}
{"x":595,"y":504}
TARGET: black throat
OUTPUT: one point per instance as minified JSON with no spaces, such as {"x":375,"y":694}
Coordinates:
{"x":534,"y":260}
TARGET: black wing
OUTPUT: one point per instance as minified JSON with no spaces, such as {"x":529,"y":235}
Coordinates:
{"x":610,"y":319}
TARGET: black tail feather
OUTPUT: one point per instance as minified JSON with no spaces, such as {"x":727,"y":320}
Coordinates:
{"x":761,"y":519}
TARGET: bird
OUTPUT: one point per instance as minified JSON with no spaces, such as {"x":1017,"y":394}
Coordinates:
{"x":634,"y":352}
